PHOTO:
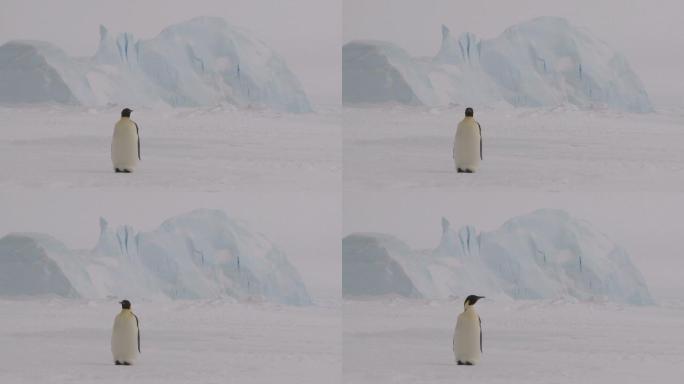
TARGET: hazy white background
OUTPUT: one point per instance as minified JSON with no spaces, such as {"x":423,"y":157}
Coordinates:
{"x":649,"y":33}
{"x":307,"y":33}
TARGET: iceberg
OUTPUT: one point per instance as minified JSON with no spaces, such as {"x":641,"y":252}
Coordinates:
{"x":369,"y":270}
{"x":27,"y":268}
{"x":39,"y":72}
{"x":546,"y":254}
{"x":201,"y":254}
{"x":545,"y":62}
{"x":200,"y":62}
{"x":378,"y":72}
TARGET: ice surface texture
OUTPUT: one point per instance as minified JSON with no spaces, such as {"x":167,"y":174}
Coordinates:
{"x":201,"y":62}
{"x":545,"y":254}
{"x":540,"y":63}
{"x":201,"y":254}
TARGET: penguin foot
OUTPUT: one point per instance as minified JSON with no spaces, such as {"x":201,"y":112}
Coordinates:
{"x":117,"y":170}
{"x":126,"y":171}
{"x":119,"y":363}
{"x":459,"y":170}
{"x":464,"y":363}
{"x":126,"y":363}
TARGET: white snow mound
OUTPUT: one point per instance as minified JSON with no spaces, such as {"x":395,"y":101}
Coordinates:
{"x":545,"y":62}
{"x":201,"y":254}
{"x":543,"y":255}
{"x":201,"y":62}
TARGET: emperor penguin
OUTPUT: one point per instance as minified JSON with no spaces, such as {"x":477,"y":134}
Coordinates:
{"x":125,"y":143}
{"x":125,"y":336}
{"x":468,"y":334}
{"x":467,"y":151}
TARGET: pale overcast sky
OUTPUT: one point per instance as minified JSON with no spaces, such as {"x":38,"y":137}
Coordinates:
{"x":307,"y":33}
{"x":649,"y":33}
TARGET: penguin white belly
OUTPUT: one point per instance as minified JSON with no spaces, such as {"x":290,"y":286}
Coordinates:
{"x":467,"y":338}
{"x":125,"y":145}
{"x":125,"y":338}
{"x":467,"y":146}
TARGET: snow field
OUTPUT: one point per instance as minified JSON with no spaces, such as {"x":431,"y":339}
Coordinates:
{"x":210,"y":341}
{"x":541,"y":150}
{"x":409,"y":341}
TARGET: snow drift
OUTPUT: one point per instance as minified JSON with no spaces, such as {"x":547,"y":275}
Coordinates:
{"x":545,"y":254}
{"x":201,"y":62}
{"x":202,"y":254}
{"x":540,"y":63}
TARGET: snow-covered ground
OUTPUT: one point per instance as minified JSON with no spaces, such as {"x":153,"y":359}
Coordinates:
{"x":198,"y":150}
{"x":550,"y":150}
{"x":280,"y":173}
{"x":405,"y":341}
{"x":67,"y":341}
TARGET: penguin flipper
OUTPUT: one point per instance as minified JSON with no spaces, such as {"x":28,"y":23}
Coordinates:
{"x":137,"y":325}
{"x":137,"y":133}
{"x":480,"y":127}
{"x":480,"y":320}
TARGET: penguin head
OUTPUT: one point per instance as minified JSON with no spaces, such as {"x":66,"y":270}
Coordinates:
{"x":469,"y":112}
{"x":471,"y":300}
{"x":125,"y":304}
{"x":126,"y":112}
